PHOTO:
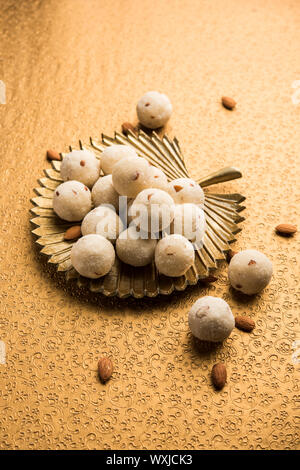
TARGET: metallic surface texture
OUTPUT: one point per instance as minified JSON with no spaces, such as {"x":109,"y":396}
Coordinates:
{"x":73,"y":69}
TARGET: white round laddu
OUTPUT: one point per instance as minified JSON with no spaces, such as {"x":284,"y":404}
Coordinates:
{"x":152,"y":210}
{"x":103,"y":221}
{"x":80,"y":165}
{"x":154,"y":109}
{"x":157,"y":179}
{"x":211,"y":319}
{"x":92,"y":256}
{"x":134,"y":250}
{"x":174,"y":255}
{"x":113,"y":154}
{"x":72,"y":201}
{"x":250,"y":271}
{"x":103,"y":192}
{"x":189,"y":221}
{"x":186,"y":190}
{"x":130,"y":176}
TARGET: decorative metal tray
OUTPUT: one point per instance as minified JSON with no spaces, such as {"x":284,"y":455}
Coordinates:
{"x":221,"y":210}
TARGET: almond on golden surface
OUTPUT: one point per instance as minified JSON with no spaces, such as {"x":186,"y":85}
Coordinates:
{"x":105,"y":369}
{"x":228,"y":103}
{"x":244,"y":323}
{"x":286,"y":229}
{"x":53,"y":155}
{"x":219,"y":375}
{"x":73,"y":232}
{"x":126,"y":127}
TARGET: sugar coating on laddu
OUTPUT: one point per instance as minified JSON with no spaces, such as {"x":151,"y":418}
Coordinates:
{"x":186,"y":190}
{"x":103,"y":192}
{"x":103,"y":221}
{"x":211,"y":319}
{"x":250,"y":271}
{"x":189,"y":221}
{"x":92,"y":256}
{"x":174,"y":255}
{"x":130,"y":176}
{"x":72,"y":201}
{"x":80,"y":165}
{"x":113,"y":154}
{"x":154,"y":109}
{"x":134,"y":250}
{"x":152,"y":210}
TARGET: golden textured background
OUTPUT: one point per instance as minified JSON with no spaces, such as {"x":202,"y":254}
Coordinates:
{"x":75,"y":68}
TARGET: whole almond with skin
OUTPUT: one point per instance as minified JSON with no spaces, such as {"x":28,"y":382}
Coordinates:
{"x":126,"y":127}
{"x":53,"y":155}
{"x":105,"y":369}
{"x":219,"y":375}
{"x":228,"y":103}
{"x":230,"y":255}
{"x":73,"y":232}
{"x":286,"y":229}
{"x":244,"y":323}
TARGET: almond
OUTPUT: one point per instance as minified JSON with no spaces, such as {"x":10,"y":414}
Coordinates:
{"x":219,"y":375}
{"x":105,"y":369}
{"x":244,"y":323}
{"x":53,"y":155}
{"x":73,"y":232}
{"x":228,"y":103}
{"x":230,"y":254}
{"x":177,"y":188}
{"x":127,"y":127}
{"x":286,"y":229}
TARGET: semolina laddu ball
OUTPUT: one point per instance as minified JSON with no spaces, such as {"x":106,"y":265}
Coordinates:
{"x":103,"y":192}
{"x":152,"y":210}
{"x":250,"y":271}
{"x":80,"y":165}
{"x":92,"y":256}
{"x":154,"y":109}
{"x":185,"y":190}
{"x":72,"y":201}
{"x":103,"y":221}
{"x":134,"y":250}
{"x":174,"y":255}
{"x":113,"y":154}
{"x":211,"y":319}
{"x":130,"y":176}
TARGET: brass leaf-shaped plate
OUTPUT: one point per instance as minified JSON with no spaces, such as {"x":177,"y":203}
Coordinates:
{"x":221,"y":210}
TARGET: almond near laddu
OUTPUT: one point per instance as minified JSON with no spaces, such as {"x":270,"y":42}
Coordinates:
{"x":53,"y":155}
{"x":219,"y":375}
{"x":127,"y":127}
{"x":105,"y":369}
{"x":73,"y":232}
{"x":244,"y":323}
{"x":228,"y":103}
{"x":286,"y":229}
